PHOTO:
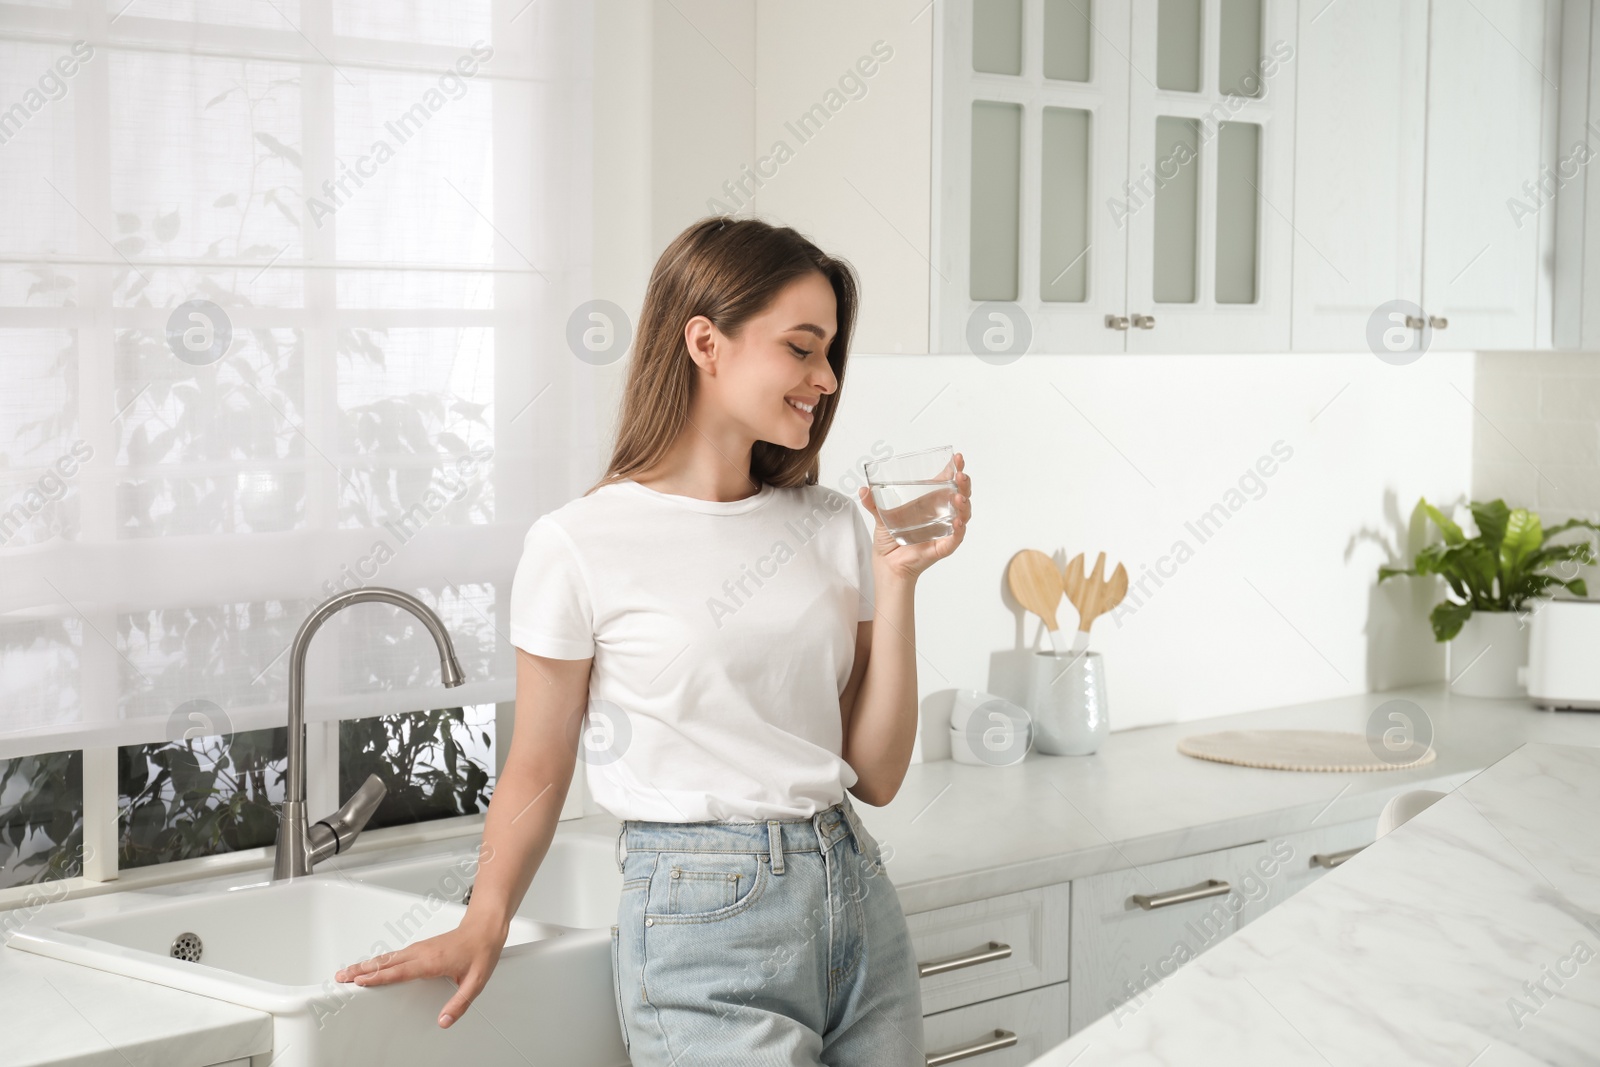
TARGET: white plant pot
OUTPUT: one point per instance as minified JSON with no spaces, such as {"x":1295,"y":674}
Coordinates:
{"x":1487,"y":654}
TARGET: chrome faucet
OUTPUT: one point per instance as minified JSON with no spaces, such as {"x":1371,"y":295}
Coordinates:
{"x":301,"y":847}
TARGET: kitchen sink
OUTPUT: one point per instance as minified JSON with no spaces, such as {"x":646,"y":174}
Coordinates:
{"x":274,"y":946}
{"x":578,"y":884}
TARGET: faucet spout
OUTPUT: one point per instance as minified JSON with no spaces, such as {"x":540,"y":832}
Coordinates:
{"x":301,"y":846}
{"x":331,"y":836}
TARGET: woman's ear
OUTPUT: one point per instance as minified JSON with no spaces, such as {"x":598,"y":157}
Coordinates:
{"x":700,"y":337}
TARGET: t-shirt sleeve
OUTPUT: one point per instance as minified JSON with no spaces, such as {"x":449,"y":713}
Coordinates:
{"x":864,"y":534}
{"x":551,"y":614}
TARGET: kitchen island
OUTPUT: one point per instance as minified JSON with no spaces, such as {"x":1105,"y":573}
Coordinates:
{"x":1469,"y":935}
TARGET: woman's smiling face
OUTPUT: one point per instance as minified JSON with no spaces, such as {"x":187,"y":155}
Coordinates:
{"x":777,"y":367}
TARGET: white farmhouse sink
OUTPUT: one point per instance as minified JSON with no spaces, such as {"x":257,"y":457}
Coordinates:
{"x":274,"y":946}
{"x":577,"y":885}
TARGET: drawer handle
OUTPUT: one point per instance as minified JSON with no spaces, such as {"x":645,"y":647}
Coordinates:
{"x":1331,"y":860}
{"x":994,"y":950}
{"x":993,"y":1043}
{"x":1211,"y":887}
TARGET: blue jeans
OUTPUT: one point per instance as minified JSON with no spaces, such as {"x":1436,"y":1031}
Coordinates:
{"x":763,"y":943}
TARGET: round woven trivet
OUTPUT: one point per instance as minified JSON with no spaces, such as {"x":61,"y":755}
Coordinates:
{"x":1297,"y":750}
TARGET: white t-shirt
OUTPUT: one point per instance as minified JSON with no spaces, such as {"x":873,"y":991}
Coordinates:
{"x":723,"y":633}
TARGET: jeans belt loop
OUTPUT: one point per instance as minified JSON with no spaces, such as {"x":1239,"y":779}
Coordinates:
{"x":622,"y":849}
{"x":850,"y":821}
{"x":775,"y":836}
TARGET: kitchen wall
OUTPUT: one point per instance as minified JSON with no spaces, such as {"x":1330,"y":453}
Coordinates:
{"x":1270,"y":602}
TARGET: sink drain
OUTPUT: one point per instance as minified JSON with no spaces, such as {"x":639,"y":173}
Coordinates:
{"x":187,"y":946}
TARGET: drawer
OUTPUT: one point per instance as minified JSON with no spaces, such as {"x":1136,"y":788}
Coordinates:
{"x":1021,"y":1027}
{"x":1122,"y":949}
{"x":1311,"y":853}
{"x":988,"y":948}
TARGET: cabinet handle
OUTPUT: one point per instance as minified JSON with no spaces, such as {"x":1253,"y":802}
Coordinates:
{"x":1331,"y":860}
{"x":994,"y":950}
{"x":1145,"y":322}
{"x":1414,"y":322}
{"x":1211,"y":887}
{"x":1438,"y":322}
{"x":1116,"y":322}
{"x":993,"y":1043}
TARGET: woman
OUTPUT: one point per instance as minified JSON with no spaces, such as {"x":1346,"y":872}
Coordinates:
{"x":752,"y":654}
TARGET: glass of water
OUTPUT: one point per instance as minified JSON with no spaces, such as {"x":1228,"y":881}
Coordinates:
{"x":915,"y":493}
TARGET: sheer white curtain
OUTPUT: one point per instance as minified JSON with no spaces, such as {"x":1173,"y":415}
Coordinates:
{"x":284,"y":291}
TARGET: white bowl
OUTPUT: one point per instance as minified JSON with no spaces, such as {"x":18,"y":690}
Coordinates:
{"x":969,"y":700}
{"x":962,"y":748}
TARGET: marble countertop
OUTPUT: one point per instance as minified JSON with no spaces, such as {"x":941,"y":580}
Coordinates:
{"x":1469,"y":935}
{"x":954,"y":833}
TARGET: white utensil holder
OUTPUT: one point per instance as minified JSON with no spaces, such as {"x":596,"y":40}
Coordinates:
{"x":1067,"y":699}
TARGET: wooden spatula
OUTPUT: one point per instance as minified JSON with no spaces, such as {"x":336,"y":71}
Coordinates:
{"x":1036,"y":583}
{"x":1093,"y":595}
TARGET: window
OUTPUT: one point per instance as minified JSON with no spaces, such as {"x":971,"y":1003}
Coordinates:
{"x":283,"y":312}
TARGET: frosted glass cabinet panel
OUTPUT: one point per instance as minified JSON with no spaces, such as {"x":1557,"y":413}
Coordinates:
{"x":1029,"y":173}
{"x":997,"y":36}
{"x":1210,"y":180}
{"x":1238,"y":211}
{"x":1064,"y":205}
{"x":1176,"y":208}
{"x":1178,"y":45}
{"x":1068,"y":34}
{"x":996,"y":181}
{"x":1239,"y":48}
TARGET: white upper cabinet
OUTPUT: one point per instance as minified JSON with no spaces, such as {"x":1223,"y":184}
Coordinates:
{"x":1361,"y":100}
{"x":1256,"y":176}
{"x":1573,"y":183}
{"x":1030,"y":146}
{"x":1113,"y":175}
{"x":1420,"y":125}
{"x":1210,"y":188}
{"x":1486,"y":95}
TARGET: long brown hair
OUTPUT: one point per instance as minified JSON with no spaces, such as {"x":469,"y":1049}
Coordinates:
{"x":728,"y":270}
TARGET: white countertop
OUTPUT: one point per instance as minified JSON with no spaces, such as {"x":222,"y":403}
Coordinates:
{"x":961,"y":832}
{"x":954,"y":833}
{"x":60,"y":1013}
{"x":1428,"y":947}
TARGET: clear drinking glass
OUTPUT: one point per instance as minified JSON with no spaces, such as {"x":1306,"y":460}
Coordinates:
{"x":915,"y":493}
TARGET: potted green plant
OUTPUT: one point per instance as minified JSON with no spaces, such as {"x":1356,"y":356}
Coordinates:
{"x":1493,"y":576}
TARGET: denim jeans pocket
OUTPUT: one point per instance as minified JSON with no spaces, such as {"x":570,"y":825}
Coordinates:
{"x":699,"y":887}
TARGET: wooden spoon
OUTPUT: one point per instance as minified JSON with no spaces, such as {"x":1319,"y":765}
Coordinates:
{"x":1092,"y":595}
{"x":1036,"y":583}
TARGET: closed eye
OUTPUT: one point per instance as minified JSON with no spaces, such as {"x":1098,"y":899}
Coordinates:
{"x":801,"y":352}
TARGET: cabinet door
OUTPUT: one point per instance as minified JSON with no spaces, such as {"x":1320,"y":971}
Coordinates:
{"x":1210,"y":190}
{"x":1030,"y":145}
{"x":1005,"y":1032}
{"x":1480,"y":260}
{"x":1360,"y":109}
{"x":1122,"y":950}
